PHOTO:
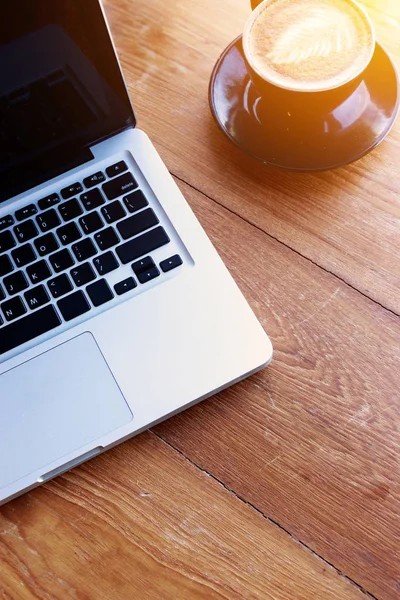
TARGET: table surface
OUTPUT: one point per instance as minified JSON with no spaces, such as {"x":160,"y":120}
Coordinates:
{"x":286,"y":486}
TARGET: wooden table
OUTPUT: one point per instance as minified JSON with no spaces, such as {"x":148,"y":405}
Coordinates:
{"x":286,"y":486}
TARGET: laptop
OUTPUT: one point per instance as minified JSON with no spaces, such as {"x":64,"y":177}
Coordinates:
{"x":116,"y":312}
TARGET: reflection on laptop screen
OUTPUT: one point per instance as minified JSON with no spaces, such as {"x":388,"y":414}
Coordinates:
{"x":61,"y":90}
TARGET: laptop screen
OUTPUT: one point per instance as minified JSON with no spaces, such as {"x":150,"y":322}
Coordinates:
{"x":61,"y":89}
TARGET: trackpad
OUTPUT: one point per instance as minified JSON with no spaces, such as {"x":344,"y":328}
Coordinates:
{"x":54,"y":404}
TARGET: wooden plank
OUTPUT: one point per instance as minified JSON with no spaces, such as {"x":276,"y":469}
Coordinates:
{"x":142,"y":522}
{"x":313,"y":441}
{"x":346,"y":220}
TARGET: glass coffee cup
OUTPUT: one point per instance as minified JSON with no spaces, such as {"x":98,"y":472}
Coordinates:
{"x":290,"y":93}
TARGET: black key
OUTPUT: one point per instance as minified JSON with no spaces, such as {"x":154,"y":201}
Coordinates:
{"x":92,"y":199}
{"x":38,"y":272}
{"x":26,"y":212}
{"x":106,"y":238}
{"x":12,"y":309}
{"x":2,"y":294}
{"x":116,"y":169}
{"x":125,"y":286}
{"x":94,"y":179}
{"x":84,"y":249}
{"x":5,"y":265}
{"x":26,"y":231}
{"x":143,"y":265}
{"x":105,"y":263}
{"x":59,"y":286}
{"x":71,"y":190}
{"x":60,"y":261}
{"x":70,"y":210}
{"x":46,"y":244}
{"x":68,"y":234}
{"x":113,"y":212}
{"x":142,"y":245}
{"x":135,"y":201}
{"x":73,"y":306}
{"x":23,"y":255}
{"x":121,"y":185}
{"x":171,"y":263}
{"x":28,"y":328}
{"x":6,"y":221}
{"x":36,"y":297}
{"x":91,"y":222}
{"x":48,"y":201}
{"x":148,"y":275}
{"x":99,"y":292}
{"x":6,"y":241}
{"x":48,"y":220}
{"x":15,"y":283}
{"x":83,"y":274}
{"x":138,"y":223}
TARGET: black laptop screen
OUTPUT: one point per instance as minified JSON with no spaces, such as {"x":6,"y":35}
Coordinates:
{"x":61,"y":89}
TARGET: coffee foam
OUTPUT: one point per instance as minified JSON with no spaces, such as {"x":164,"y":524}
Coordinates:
{"x":309,"y":44}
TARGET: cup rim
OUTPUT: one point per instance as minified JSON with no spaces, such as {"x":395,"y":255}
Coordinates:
{"x":293,"y":88}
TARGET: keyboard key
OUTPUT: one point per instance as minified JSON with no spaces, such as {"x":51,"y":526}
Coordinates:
{"x":68,"y":234}
{"x":46,"y":244}
{"x":99,"y":292}
{"x":119,"y":186}
{"x":12,"y":309}
{"x":106,"y":239}
{"x":73,"y":306}
{"x":23,"y":255}
{"x":116,"y":169}
{"x":71,"y":190}
{"x":60,"y":261}
{"x":84,"y":249}
{"x":142,"y":245}
{"x":28,"y":328}
{"x":138,"y":223}
{"x":83,"y":274}
{"x":125,"y":286}
{"x":70,"y":210}
{"x":91,"y":222}
{"x":15,"y":283}
{"x":36,"y":297}
{"x":6,"y":221}
{"x":113,"y":212}
{"x":2,"y":294}
{"x":26,"y":231}
{"x":94,"y":179}
{"x":48,"y":220}
{"x":105,"y":263}
{"x":5,"y":265}
{"x":92,"y":199}
{"x":24,"y":213}
{"x":145,"y":269}
{"x":59,"y":286}
{"x":7,"y":241}
{"x":38,"y":272}
{"x":48,"y":201}
{"x":171,"y":263}
{"x":135,"y":201}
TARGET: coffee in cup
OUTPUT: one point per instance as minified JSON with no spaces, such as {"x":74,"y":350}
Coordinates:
{"x":308,"y":45}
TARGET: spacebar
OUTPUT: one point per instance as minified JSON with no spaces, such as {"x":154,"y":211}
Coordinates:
{"x":28,"y":328}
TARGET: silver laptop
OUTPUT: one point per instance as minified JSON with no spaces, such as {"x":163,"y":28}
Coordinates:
{"x":116,"y":312}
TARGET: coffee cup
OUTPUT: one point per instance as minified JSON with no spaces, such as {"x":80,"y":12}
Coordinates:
{"x":307,"y":86}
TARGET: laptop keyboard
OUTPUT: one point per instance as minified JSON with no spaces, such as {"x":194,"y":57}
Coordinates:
{"x":55,"y":253}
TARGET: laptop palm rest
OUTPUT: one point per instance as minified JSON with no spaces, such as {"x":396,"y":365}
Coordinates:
{"x":54,"y":404}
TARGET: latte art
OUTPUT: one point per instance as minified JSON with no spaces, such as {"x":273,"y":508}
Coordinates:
{"x":308,"y":44}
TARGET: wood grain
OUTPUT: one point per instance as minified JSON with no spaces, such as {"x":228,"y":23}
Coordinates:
{"x":346,"y":221}
{"x":313,"y":441}
{"x":142,"y":522}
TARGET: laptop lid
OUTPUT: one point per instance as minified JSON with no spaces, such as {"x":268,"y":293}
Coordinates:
{"x":61,"y":90}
